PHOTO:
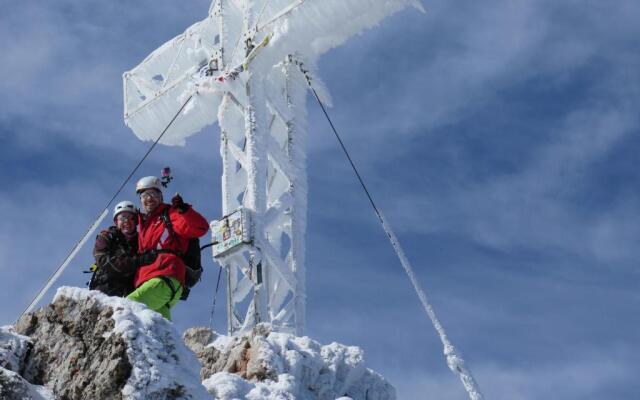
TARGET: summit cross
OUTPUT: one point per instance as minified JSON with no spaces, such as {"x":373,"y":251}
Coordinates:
{"x":248,"y":66}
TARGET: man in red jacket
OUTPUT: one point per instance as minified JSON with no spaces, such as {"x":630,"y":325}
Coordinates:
{"x":159,"y":284}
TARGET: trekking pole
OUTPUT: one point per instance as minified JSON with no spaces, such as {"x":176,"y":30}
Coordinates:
{"x":54,"y":277}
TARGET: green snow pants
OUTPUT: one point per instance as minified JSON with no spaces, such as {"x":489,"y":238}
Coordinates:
{"x":158,"y":295}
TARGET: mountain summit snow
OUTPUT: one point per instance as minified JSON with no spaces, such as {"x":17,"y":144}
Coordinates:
{"x":85,"y":345}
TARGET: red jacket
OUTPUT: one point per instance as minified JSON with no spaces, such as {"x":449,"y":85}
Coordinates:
{"x":153,"y":235}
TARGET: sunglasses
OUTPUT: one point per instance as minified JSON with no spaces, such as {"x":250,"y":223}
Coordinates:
{"x":125,"y":218}
{"x":149,"y":194}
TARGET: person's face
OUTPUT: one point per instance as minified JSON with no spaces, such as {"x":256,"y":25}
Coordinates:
{"x":126,"y":222}
{"x":150,"y":200}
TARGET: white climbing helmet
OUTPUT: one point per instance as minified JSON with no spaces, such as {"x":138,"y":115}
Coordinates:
{"x":148,"y":182}
{"x":124,"y":206}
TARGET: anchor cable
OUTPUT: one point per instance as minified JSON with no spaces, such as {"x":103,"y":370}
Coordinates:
{"x":76,"y":248}
{"x":215,"y":296}
{"x":455,"y":361}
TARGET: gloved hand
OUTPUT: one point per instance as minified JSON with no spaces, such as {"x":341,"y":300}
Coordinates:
{"x":179,"y":204}
{"x":147,"y":258}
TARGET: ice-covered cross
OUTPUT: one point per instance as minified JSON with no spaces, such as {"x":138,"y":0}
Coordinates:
{"x":243,"y":66}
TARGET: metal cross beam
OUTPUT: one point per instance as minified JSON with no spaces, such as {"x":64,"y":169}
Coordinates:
{"x":241,"y":60}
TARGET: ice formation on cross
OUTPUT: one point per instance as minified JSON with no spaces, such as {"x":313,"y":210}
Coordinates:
{"x":252,"y":61}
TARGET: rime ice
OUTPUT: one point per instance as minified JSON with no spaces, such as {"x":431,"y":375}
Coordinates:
{"x":248,"y":66}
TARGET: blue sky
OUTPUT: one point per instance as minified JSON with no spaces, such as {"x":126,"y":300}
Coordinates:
{"x":500,"y":139}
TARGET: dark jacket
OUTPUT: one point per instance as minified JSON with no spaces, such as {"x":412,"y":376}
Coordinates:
{"x":117,"y":262}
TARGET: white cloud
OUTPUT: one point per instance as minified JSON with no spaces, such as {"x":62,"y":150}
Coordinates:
{"x":535,"y":207}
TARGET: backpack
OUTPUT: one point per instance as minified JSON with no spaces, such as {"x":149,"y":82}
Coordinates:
{"x":191,"y":258}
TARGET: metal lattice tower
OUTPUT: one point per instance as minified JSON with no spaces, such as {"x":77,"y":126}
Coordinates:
{"x":252,"y":61}
{"x":263,"y":139}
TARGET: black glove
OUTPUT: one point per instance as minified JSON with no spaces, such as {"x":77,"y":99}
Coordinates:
{"x":147,"y":258}
{"x":179,"y":204}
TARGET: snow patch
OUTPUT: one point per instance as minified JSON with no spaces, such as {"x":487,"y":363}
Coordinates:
{"x":13,"y":348}
{"x":222,"y":343}
{"x":13,"y":384}
{"x":300,"y":368}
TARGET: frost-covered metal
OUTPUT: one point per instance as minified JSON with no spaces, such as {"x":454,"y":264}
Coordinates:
{"x":242,"y":63}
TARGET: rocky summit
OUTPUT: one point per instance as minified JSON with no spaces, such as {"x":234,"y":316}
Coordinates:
{"x":85,"y":345}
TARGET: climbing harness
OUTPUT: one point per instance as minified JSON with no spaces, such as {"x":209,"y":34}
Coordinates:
{"x":454,"y":359}
{"x":75,"y":249}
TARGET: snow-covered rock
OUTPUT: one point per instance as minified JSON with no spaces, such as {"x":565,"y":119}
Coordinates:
{"x":13,"y":349}
{"x":15,"y":387}
{"x":85,"y":345}
{"x":272,"y":365}
{"x":90,"y":346}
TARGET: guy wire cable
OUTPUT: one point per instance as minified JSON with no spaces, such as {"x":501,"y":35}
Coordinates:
{"x":454,"y":359}
{"x":76,"y":248}
{"x":215,"y":296}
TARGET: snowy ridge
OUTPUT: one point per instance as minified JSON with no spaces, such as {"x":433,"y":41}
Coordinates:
{"x":88,"y":345}
{"x":300,"y":368}
{"x":155,"y":350}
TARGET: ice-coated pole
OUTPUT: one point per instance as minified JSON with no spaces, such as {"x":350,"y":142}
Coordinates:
{"x":454,"y":359}
{"x":66,"y":262}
